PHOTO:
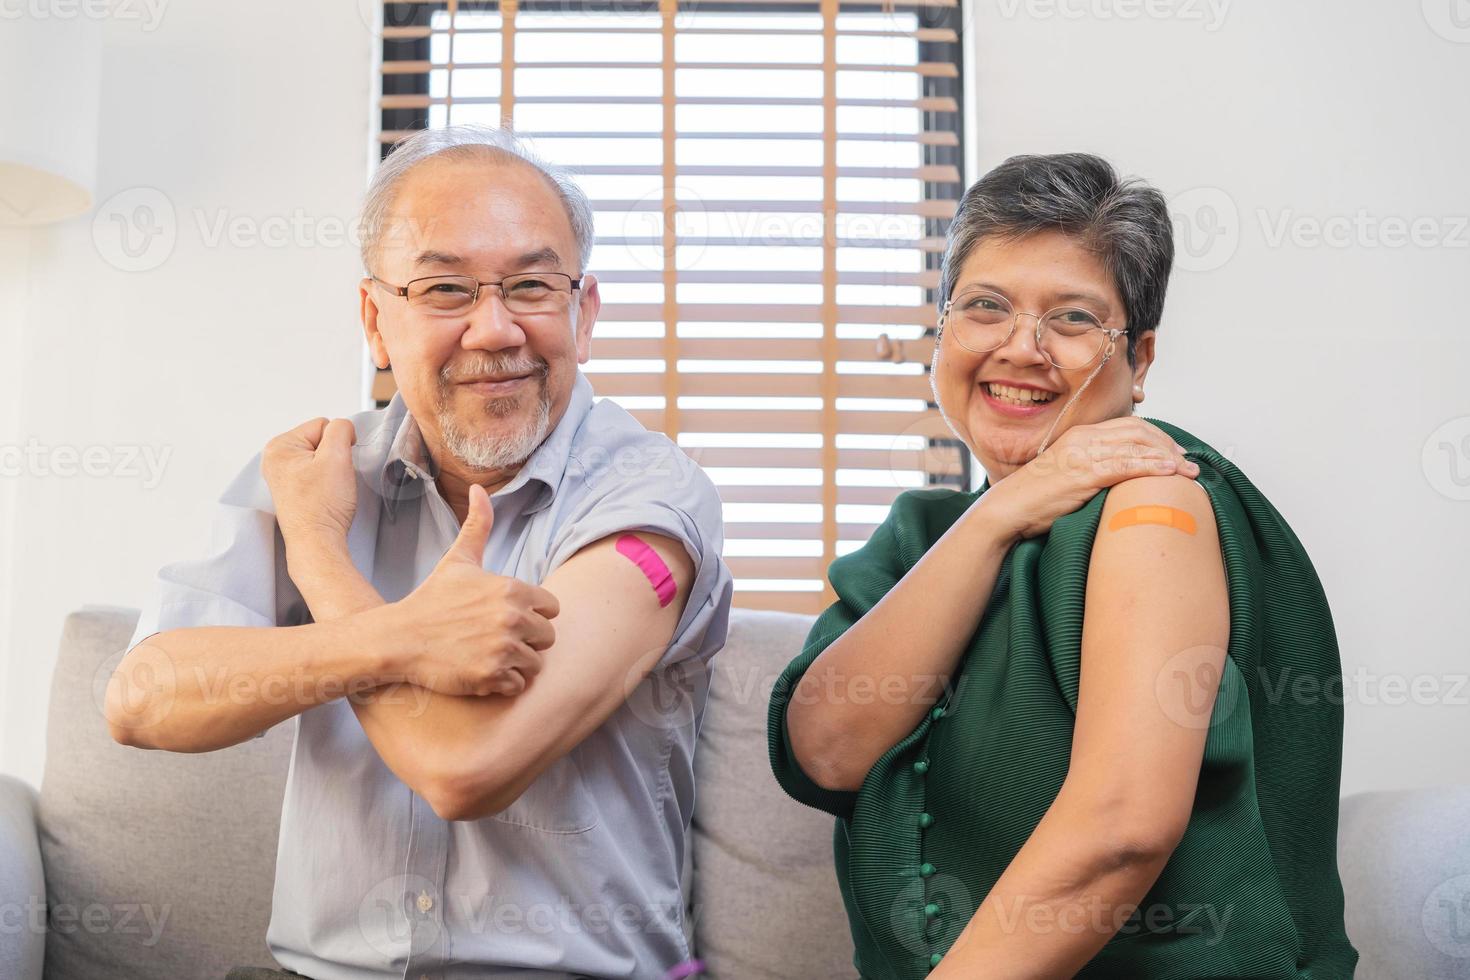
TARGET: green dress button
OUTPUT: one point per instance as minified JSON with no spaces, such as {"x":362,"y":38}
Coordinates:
{"x":931,"y":911}
{"x":925,"y":820}
{"x":926,"y":870}
{"x":934,"y":959}
{"x":921,"y":767}
{"x":937,"y":713}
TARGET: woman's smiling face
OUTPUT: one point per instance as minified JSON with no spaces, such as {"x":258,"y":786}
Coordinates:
{"x":1035,"y":274}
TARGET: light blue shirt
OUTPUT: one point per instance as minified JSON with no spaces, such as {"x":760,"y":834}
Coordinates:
{"x":581,"y":874}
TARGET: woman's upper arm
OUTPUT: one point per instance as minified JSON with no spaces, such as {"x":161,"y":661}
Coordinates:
{"x":1154,"y":639}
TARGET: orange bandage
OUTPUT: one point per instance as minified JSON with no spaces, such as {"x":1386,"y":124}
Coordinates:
{"x":1153,"y":514}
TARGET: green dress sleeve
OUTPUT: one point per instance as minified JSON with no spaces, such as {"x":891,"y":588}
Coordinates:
{"x":860,"y":578}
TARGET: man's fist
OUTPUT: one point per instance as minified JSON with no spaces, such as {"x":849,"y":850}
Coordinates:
{"x":311,"y":479}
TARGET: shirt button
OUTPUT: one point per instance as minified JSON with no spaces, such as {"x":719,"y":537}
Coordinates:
{"x":926,"y":870}
{"x":925,"y":820}
{"x":931,"y":911}
{"x":937,"y":713}
{"x":425,"y":903}
{"x":921,"y":767}
{"x":934,"y":959}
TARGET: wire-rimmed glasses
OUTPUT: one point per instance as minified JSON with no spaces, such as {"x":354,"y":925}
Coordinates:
{"x":1068,"y":336}
{"x":527,"y":293}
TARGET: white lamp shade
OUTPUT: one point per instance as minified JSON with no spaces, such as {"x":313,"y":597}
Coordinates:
{"x":50,"y":88}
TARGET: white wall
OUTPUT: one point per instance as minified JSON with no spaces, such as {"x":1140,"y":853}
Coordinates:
{"x":216,"y":111}
{"x":1323,"y":370}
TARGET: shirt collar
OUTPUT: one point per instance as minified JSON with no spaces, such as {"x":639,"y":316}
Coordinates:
{"x":409,"y":468}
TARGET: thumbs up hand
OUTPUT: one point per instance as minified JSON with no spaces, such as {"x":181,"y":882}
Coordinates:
{"x":471,"y":631}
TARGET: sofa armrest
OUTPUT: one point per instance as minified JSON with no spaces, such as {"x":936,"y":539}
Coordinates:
{"x":22,"y":883}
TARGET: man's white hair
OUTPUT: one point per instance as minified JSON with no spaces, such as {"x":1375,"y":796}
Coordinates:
{"x":465,"y":142}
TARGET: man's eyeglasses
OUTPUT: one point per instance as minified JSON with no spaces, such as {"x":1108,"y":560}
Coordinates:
{"x":527,"y":293}
{"x":1069,"y":336}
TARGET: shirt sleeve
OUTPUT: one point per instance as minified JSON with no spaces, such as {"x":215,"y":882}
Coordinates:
{"x":689,"y":514}
{"x":860,"y":578}
{"x":243,"y":581}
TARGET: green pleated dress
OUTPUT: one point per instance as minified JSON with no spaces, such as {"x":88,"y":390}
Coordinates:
{"x":1252,"y":890}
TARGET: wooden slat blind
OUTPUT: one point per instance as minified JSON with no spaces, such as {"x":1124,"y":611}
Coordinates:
{"x":772,"y":182}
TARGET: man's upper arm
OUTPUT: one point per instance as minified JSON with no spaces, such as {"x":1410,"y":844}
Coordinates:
{"x":611,"y":631}
{"x":1154,"y":640}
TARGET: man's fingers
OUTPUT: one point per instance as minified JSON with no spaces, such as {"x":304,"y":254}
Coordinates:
{"x":539,"y":633}
{"x":473,"y":536}
{"x":338,"y":434}
{"x":309,"y":433}
{"x":543,"y":601}
{"x":511,"y":683}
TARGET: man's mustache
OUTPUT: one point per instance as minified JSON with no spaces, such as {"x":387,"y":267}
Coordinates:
{"x":495,"y":366}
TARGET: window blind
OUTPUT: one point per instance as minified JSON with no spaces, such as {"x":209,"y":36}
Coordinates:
{"x":772,"y":182}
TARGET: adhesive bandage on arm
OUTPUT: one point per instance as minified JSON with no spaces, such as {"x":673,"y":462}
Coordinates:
{"x":652,"y":567}
{"x":1153,"y":514}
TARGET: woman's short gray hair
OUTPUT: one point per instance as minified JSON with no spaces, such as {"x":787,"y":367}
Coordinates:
{"x":465,"y":142}
{"x":1124,"y":222}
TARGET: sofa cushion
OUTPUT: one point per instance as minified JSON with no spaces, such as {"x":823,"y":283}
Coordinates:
{"x":766,"y":902}
{"x":1404,"y":858}
{"x":157,"y":864}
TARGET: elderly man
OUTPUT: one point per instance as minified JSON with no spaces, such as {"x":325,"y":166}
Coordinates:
{"x":489,"y":608}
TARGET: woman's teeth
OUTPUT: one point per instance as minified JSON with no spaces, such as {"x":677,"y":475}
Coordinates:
{"x":1019,"y":396}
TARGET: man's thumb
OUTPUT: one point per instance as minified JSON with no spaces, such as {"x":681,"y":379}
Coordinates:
{"x":470,"y":545}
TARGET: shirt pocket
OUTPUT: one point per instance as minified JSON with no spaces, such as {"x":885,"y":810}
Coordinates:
{"x":558,"y":802}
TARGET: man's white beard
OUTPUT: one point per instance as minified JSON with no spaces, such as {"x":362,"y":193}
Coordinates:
{"x":482,"y":450}
{"x":495,"y":450}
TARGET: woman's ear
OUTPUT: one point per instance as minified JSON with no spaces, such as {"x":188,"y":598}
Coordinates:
{"x":1143,"y":359}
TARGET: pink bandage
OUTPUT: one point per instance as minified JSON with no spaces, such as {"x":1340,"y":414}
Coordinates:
{"x":652,"y":567}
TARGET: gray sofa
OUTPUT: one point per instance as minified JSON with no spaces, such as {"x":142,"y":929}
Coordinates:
{"x":135,"y":864}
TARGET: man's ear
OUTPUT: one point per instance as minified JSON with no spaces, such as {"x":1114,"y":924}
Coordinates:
{"x":369,"y":313}
{"x":589,"y":303}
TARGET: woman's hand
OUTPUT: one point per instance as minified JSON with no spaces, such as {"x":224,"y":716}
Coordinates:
{"x":1084,"y":460}
{"x":469,"y":631}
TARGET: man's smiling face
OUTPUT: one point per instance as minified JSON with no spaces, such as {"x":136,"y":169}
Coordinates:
{"x":488,"y":384}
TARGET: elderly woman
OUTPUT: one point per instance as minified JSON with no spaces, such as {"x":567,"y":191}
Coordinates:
{"x":1060,"y":719}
